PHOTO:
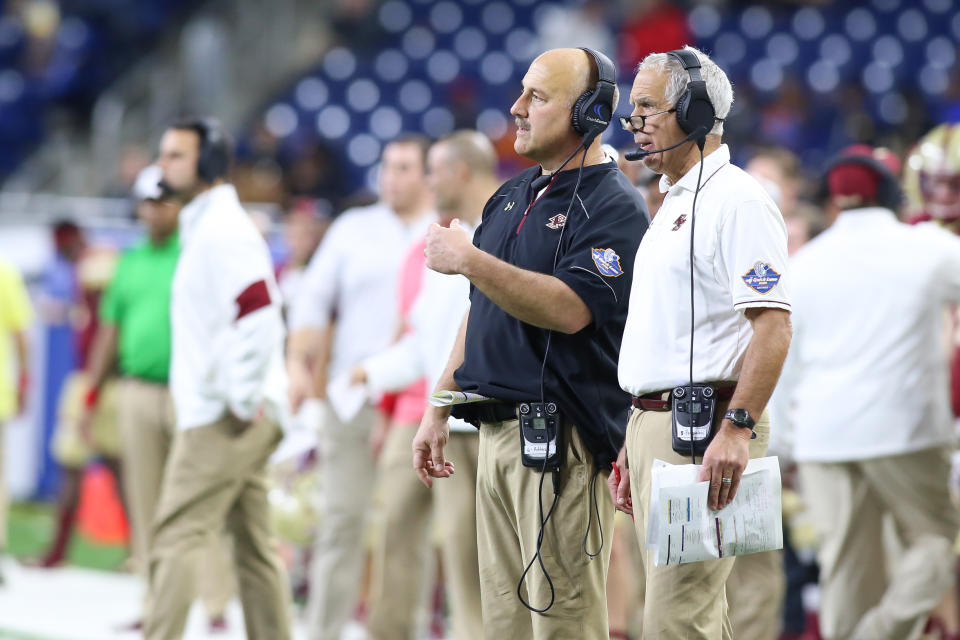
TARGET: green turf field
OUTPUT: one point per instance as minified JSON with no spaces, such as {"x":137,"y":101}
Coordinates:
{"x":31,"y":529}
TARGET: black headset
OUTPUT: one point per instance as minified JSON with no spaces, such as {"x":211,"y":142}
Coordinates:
{"x":694,"y":109}
{"x":594,"y":108}
{"x":889,"y":193}
{"x":213,"y":162}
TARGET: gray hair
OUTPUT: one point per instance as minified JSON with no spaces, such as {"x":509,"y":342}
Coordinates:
{"x":719,"y":88}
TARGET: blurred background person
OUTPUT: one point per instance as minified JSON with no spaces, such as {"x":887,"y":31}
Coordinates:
{"x":644,"y":179}
{"x":16,"y":314}
{"x":352,"y":277}
{"x":304,"y":228}
{"x":134,"y":339}
{"x":865,"y":453}
{"x":932,"y":178}
{"x":932,"y":185}
{"x":462,"y":176}
{"x":228,"y":385}
{"x":780,"y":173}
{"x":60,"y":308}
{"x":86,"y":425}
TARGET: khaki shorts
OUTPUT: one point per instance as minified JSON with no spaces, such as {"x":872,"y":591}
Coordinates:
{"x":70,"y":448}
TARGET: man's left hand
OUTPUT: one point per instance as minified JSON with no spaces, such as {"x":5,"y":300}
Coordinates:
{"x":726,"y":457}
{"x":447,"y":250}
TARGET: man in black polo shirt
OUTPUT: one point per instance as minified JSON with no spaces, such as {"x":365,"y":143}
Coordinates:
{"x":550,"y":268}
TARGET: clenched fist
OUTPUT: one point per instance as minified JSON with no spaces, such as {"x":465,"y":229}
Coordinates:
{"x":448,"y":250}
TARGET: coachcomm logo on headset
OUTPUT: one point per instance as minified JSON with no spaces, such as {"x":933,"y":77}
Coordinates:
{"x":597,"y":110}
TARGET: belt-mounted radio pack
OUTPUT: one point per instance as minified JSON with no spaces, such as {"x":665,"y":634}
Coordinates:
{"x":541,"y":435}
{"x":694,"y":407}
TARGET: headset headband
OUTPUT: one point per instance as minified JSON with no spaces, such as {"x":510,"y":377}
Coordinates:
{"x":694,"y":110}
{"x":889,"y":192}
{"x":606,"y":72}
{"x":690,"y":62}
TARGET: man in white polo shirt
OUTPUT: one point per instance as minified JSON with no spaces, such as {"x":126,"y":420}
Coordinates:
{"x":229,"y":390}
{"x":741,"y":326}
{"x":462,"y":175}
{"x":866,"y":394}
{"x":353,"y":276}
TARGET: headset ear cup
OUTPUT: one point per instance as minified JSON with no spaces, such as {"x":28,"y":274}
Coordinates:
{"x":577,"y":114}
{"x":683,"y":105}
{"x":699,"y":112}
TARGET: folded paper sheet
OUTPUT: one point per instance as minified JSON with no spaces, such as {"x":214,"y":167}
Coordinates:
{"x":682,"y":528}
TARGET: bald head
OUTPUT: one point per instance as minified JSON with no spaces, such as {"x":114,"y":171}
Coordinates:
{"x":551,"y":86}
{"x":570,"y":70}
{"x":459,"y":165}
{"x":473,"y":149}
{"x":576,"y":71}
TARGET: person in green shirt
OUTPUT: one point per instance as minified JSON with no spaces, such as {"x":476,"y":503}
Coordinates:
{"x":134,"y":338}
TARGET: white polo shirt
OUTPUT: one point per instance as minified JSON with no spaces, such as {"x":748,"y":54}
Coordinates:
{"x":227,"y":328}
{"x":867,"y":371}
{"x":740,"y":262}
{"x":353,"y":275}
{"x":434,"y":323}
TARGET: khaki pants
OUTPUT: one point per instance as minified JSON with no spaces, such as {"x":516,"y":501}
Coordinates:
{"x":847,"y":503}
{"x":215,"y":479}
{"x":347,"y":476}
{"x":401,"y":552}
{"x":147,"y":426}
{"x":687,"y":601}
{"x":508,"y":524}
{"x":755,"y":591}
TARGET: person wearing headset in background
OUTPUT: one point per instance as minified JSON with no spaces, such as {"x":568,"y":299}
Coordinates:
{"x":741,"y":326}
{"x":865,"y":395}
{"x":134,"y":336}
{"x":547,"y":309}
{"x":229,"y":390}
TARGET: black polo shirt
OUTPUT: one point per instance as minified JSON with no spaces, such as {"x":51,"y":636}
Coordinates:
{"x":503,"y":356}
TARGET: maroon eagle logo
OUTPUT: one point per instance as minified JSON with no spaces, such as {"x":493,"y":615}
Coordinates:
{"x":556,"y":221}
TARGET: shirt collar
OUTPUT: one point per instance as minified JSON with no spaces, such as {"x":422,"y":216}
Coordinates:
{"x":170,"y":242}
{"x":865,"y":215}
{"x":711,"y":163}
{"x":191,"y":214}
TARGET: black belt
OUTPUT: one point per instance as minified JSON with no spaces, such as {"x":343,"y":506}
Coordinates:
{"x":477,"y":412}
{"x":660,"y":400}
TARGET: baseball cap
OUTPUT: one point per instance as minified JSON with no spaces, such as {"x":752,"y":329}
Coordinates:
{"x":147,"y":185}
{"x":848,"y":177}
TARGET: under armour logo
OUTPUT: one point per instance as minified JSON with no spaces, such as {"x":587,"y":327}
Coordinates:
{"x":679,"y":222}
{"x":509,"y":206}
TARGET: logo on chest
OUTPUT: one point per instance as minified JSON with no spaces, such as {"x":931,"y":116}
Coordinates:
{"x":556,"y":221}
{"x":509,"y":206}
{"x":679,"y":222}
